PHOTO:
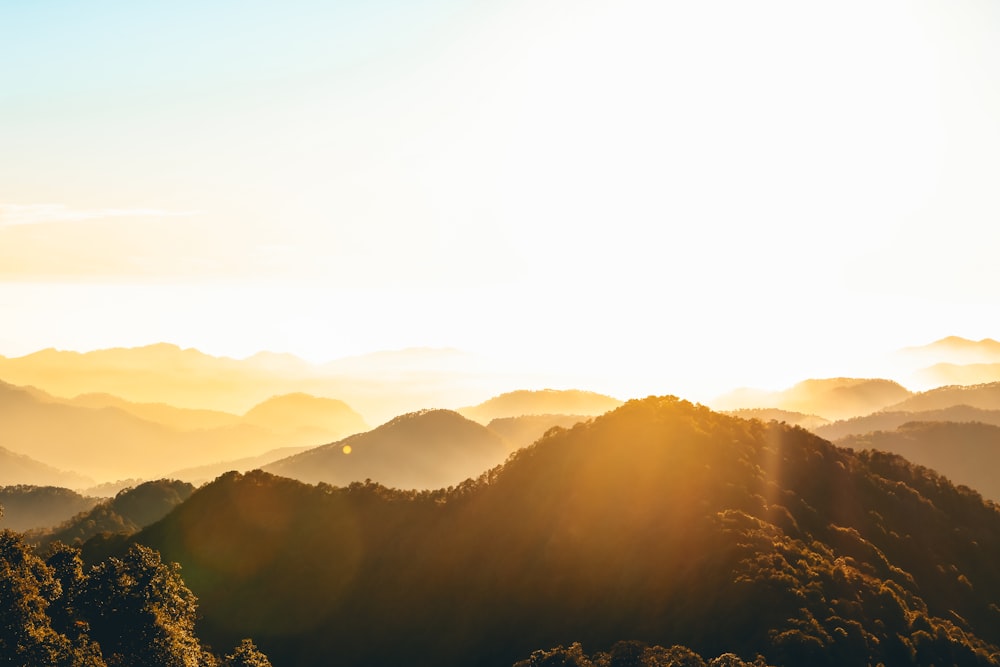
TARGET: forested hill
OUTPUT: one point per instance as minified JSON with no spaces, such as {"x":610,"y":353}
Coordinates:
{"x":662,"y":522}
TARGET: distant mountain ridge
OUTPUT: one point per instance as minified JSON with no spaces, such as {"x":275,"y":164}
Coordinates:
{"x":540,"y":402}
{"x":188,"y":378}
{"x":420,"y":450}
{"x":889,"y":420}
{"x":110,"y":442}
{"x":21,"y":469}
{"x":829,"y":398}
{"x":982,"y":396}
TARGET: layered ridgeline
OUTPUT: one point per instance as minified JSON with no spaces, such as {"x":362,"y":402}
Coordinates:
{"x":661,"y":522}
{"x":421,"y":450}
{"x":106,"y":438}
{"x":165,"y":373}
{"x":21,"y":469}
{"x":829,"y":398}
{"x":954,"y":360}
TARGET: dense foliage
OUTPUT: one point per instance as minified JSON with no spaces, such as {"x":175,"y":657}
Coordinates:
{"x":632,"y":654}
{"x":661,"y":522}
{"x":133,"y":611}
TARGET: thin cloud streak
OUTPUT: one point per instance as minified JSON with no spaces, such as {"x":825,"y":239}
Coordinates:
{"x":33,"y":214}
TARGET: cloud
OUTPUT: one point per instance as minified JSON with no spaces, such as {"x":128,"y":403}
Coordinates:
{"x":31,"y":214}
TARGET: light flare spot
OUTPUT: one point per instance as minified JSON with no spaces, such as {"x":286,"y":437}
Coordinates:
{"x":346,"y":449}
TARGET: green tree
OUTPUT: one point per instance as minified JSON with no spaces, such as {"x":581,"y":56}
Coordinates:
{"x":140,"y":612}
{"x":28,"y":588}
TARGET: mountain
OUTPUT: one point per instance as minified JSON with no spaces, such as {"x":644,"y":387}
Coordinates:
{"x":183,"y":419}
{"x":107,"y":437}
{"x":966,"y":453}
{"x":952,"y":360}
{"x":28,"y":507}
{"x":302,"y":414}
{"x":206,"y":473}
{"x":889,"y":420}
{"x":808,"y":422}
{"x":109,"y":443}
{"x":154,"y":373}
{"x":420,"y":450}
{"x":542,"y":402}
{"x":832,"y":398}
{"x":982,"y":396}
{"x":524,"y":430}
{"x":128,"y":512}
{"x":21,"y":469}
{"x":187,"y":378}
{"x":955,"y":350}
{"x":661,"y":522}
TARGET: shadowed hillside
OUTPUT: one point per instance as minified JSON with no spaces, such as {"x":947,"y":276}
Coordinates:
{"x":26,"y":507}
{"x":542,"y":402}
{"x":833,"y":398}
{"x":421,"y":450}
{"x":661,"y":522}
{"x":966,"y":453}
{"x":126,"y":513}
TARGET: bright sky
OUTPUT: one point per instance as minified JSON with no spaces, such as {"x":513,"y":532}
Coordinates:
{"x":649,"y":196}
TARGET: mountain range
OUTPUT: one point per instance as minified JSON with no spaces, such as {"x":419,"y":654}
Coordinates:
{"x":103,"y":438}
{"x":661,"y":522}
{"x":188,"y":378}
{"x":830,"y":398}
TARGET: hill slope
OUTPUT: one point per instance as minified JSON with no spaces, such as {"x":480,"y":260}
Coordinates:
{"x":427,"y":449}
{"x":661,"y":521}
{"x":967,"y":453}
{"x":130,"y":510}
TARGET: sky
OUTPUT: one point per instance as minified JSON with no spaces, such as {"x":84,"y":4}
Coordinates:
{"x":643,"y":196}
